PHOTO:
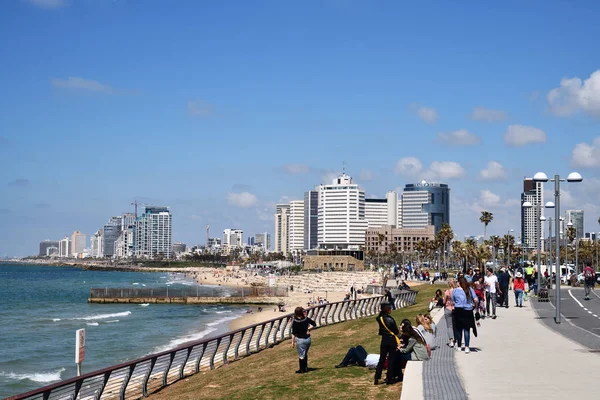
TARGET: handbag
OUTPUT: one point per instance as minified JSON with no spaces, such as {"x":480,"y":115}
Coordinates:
{"x":398,"y":341}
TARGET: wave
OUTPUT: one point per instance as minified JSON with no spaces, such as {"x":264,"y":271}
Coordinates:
{"x":40,"y":377}
{"x":143,"y":285}
{"x":111,"y":322}
{"x":102,"y":316}
{"x":184,"y":339}
{"x":92,"y":324}
{"x":144,"y":305}
{"x":223,"y":312}
{"x":220,"y":321}
{"x":135,"y":283}
{"x":55,"y":319}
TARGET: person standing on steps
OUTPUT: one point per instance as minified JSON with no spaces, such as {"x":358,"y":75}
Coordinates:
{"x":519,"y":288}
{"x":589,"y":280}
{"x":301,"y":327}
{"x":491,"y":289}
{"x":388,"y":330}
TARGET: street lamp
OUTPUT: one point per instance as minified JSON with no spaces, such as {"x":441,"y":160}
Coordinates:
{"x":572,"y":177}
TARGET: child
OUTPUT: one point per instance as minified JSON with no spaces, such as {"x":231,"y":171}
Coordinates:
{"x":479,"y":288}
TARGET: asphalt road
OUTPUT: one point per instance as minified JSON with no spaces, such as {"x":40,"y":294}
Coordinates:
{"x":582,"y":313}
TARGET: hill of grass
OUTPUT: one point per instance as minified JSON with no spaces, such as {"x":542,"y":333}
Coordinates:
{"x":270,"y":373}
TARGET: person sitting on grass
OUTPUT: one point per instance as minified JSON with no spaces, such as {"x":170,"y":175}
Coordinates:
{"x":437,"y":301}
{"x":359,"y":356}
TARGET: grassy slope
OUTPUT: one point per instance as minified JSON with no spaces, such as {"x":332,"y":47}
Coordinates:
{"x":270,"y":373}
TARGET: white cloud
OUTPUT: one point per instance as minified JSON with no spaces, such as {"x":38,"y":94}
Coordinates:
{"x":586,"y":155}
{"x":521,"y":135}
{"x":366,"y":175}
{"x":243,"y":199}
{"x":493,"y":172}
{"x":76,"y":83}
{"x":575,"y":95}
{"x":199,"y":108}
{"x":488,"y":198}
{"x":444,"y":170}
{"x":487,"y":114}
{"x":329,"y":176}
{"x":48,"y":3}
{"x":461,"y":137}
{"x":426,"y":114}
{"x":296,"y":168}
{"x":408,"y":166}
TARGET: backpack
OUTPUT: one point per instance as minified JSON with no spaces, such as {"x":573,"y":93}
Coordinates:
{"x":588,"y":274}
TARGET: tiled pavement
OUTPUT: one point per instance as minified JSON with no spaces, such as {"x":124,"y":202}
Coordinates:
{"x":440,"y":374}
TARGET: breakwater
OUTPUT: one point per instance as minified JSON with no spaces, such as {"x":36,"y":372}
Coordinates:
{"x":185,"y":300}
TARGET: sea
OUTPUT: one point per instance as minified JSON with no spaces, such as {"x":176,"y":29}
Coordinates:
{"x":41,"y":307}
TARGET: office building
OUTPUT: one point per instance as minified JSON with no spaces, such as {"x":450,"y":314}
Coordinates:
{"x":382,"y":212}
{"x":593,"y":236}
{"x":425,"y":204}
{"x":576,"y":218}
{"x":311,"y":219}
{"x":263,"y":240}
{"x":179,"y":248}
{"x":404,"y":239}
{"x":96,"y":245}
{"x":282,"y":215}
{"x":79,"y":241}
{"x":342,"y":223}
{"x":154,"y":233}
{"x":52,"y":251}
{"x":296,"y":226}
{"x":125,"y":243}
{"x":111,"y":232}
{"x":64,"y":247}
{"x":533,"y":192}
{"x":45,"y":245}
{"x":233,"y":238}
{"x":214,"y":243}
{"x":250,"y":240}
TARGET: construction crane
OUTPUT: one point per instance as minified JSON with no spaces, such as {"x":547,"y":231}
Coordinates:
{"x":207,"y":235}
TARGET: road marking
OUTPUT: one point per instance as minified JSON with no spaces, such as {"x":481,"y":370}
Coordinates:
{"x":595,"y":294}
{"x":580,"y":304}
{"x":596,"y":317}
{"x":577,"y":301}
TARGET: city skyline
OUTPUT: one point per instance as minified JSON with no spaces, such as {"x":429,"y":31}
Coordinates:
{"x":263,"y":112}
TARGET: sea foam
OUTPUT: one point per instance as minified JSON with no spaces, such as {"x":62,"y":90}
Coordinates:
{"x":184,"y":339}
{"x":40,"y":377}
{"x":102,"y":316}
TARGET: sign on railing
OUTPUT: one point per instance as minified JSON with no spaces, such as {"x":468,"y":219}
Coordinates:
{"x":139,"y":378}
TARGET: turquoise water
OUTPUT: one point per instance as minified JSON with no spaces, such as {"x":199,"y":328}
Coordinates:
{"x":42,"y":307}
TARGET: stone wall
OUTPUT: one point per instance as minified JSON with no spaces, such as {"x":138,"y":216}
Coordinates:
{"x":336,"y":263}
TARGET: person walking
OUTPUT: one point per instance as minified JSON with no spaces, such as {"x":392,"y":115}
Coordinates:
{"x":448,"y":307}
{"x":589,"y":280}
{"x":388,"y":330}
{"x":491,"y":289}
{"x":519,"y":288}
{"x":465,"y":300}
{"x":503,"y":283}
{"x":301,"y":326}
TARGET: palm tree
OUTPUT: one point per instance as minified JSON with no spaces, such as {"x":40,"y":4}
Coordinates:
{"x":485,"y":219}
{"x":470,"y":251}
{"x":443,"y":237}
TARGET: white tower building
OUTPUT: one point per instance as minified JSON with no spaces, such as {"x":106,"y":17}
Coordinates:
{"x":296,"y":225}
{"x":282,"y":225}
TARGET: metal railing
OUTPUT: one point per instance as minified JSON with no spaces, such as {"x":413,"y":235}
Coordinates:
{"x":196,"y":291}
{"x":146,"y":375}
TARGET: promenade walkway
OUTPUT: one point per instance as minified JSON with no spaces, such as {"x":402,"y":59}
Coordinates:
{"x":517,"y":356}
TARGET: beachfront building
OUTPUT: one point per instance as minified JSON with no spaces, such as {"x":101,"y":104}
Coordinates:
{"x":233,"y":238}
{"x":79,"y":241}
{"x":112,"y":230}
{"x":380,"y":240}
{"x":311,"y":219}
{"x":64,"y":247}
{"x":381,"y":212}
{"x":424,"y":204}
{"x":263,"y":240}
{"x":296,"y":226}
{"x":154,"y":233}
{"x":96,"y":244}
{"x":533,"y":192}
{"x":342,"y":222}
{"x":576,"y":218}
{"x":282,"y":214}
{"x":45,"y":245}
{"x":125,"y":243}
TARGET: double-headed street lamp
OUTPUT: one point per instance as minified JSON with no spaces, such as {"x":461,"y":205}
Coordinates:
{"x":542,"y":177}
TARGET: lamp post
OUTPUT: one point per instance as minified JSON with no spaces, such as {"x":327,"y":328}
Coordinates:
{"x":568,"y":240}
{"x":572,"y":177}
{"x":508,"y":247}
{"x":539,"y":220}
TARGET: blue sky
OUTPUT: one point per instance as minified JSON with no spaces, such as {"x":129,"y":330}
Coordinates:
{"x":222,"y":109}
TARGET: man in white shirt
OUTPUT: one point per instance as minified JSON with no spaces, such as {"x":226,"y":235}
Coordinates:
{"x":358,"y":355}
{"x":491,"y":291}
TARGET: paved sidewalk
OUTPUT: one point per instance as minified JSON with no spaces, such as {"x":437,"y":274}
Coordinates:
{"x":517,"y":356}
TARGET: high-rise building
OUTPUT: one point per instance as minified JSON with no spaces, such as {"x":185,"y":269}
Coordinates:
{"x":125,"y":243}
{"x":342,"y":223}
{"x":214,"y":243}
{"x":576,"y":218}
{"x":64,"y":247}
{"x":111,"y":232}
{"x":376,"y":213}
{"x":533,"y":192}
{"x":79,"y":241}
{"x":96,"y":244}
{"x":311,"y":219}
{"x":296,"y":226}
{"x":233,"y":238}
{"x":250,"y":240}
{"x":154,"y":233}
{"x":45,"y":245}
{"x":179,"y":248}
{"x":263,"y":239}
{"x":425,"y":204}
{"x":282,"y":224}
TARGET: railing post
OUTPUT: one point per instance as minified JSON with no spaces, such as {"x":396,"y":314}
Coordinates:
{"x":249,"y":340}
{"x":105,"y":381}
{"x":212,"y":358}
{"x":197,"y":366}
{"x":166,"y":373}
{"x":146,"y":378}
{"x":187,"y":357}
{"x":356,"y":309}
{"x":268,"y":333}
{"x":126,"y":382}
{"x":340,"y":311}
{"x":326,"y":312}
{"x":227,"y":349}
{"x":262,"y":329}
{"x":284,"y":331}
{"x":237,"y":346}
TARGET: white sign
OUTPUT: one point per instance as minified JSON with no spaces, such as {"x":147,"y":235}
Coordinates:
{"x":271,"y":279}
{"x":79,"y":345}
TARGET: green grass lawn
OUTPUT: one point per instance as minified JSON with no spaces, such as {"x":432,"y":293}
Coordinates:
{"x":270,"y":373}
